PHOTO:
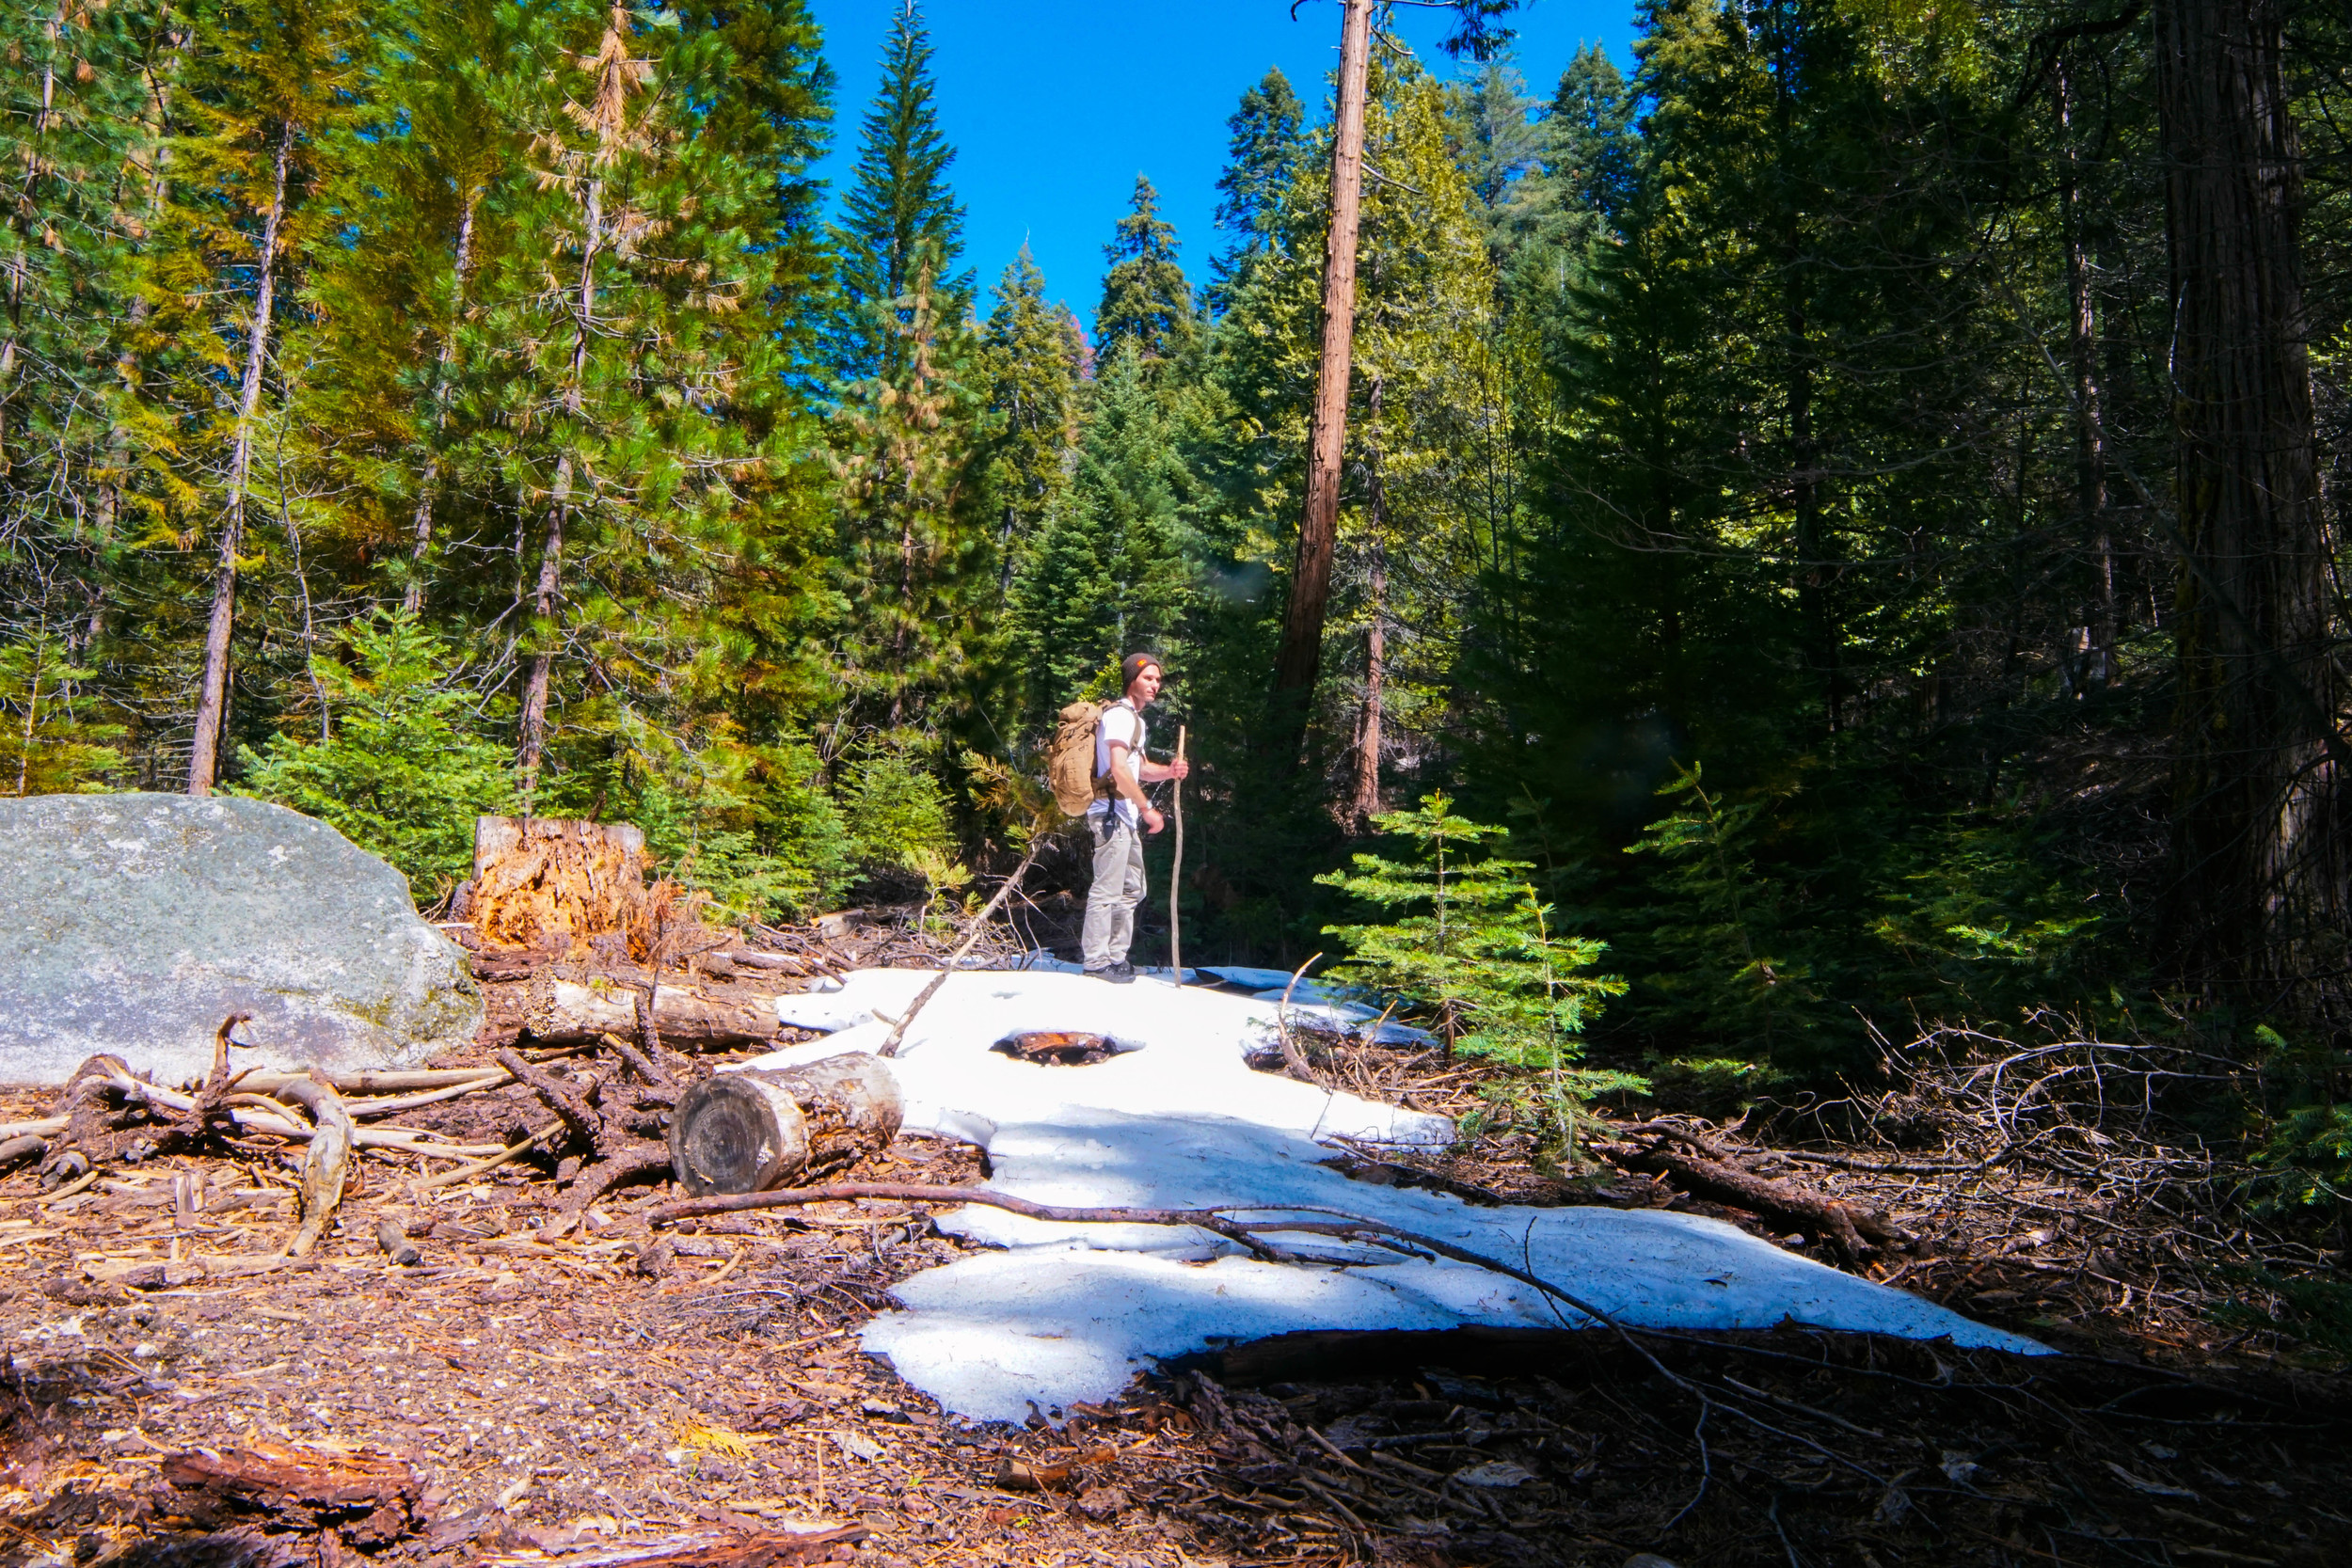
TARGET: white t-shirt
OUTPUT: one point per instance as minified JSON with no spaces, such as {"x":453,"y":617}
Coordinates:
{"x":1121,"y":722}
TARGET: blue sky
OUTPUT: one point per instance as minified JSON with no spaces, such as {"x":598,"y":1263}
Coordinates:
{"x":1055,"y":106}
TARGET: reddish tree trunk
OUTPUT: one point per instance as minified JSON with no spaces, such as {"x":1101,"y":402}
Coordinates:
{"x":1299,"y":659}
{"x":2257,"y":874}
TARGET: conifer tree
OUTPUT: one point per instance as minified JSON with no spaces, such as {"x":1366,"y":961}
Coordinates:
{"x":1477,"y":955}
{"x":1147,"y":304}
{"x":899,"y":217}
{"x":265,"y":89}
{"x":1036,"y":366}
{"x":50,"y":743}
{"x":420,"y":180}
{"x":1263,"y":155}
{"x":639,"y":384}
{"x":1588,"y":142}
{"x":1106,"y":573}
{"x":913,"y":567}
{"x":69,"y":124}
{"x":1498,"y":147}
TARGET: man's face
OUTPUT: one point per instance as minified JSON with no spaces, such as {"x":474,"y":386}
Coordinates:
{"x":1146,"y":685}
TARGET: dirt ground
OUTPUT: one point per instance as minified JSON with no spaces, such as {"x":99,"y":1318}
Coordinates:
{"x":697,"y":1395}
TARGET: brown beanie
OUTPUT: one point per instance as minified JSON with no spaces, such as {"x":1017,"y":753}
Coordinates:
{"x":1134,"y":665}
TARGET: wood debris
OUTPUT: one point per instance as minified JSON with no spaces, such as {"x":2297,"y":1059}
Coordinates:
{"x":564,"y":1384}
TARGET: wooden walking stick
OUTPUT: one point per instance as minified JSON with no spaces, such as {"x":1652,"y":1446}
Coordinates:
{"x":1176,"y":873}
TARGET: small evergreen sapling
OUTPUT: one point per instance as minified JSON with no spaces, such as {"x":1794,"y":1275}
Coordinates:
{"x":1471,"y":948}
{"x":399,"y":773}
{"x":1725,"y":922}
{"x":49,"y":745}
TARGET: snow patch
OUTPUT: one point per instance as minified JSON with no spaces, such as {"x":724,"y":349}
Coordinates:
{"x":1071,"y":1312}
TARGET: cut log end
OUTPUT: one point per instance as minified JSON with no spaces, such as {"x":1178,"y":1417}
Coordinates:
{"x":733,"y":1134}
{"x":748,"y":1132}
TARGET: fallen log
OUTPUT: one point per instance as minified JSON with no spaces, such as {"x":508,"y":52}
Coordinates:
{"x":783,"y":963}
{"x":567,"y":1011}
{"x":1712,"y":1172}
{"x":746,"y":1132}
{"x":761,"y":1548}
{"x":152,"y":1275}
{"x":39,"y":1127}
{"x":366,"y":1496}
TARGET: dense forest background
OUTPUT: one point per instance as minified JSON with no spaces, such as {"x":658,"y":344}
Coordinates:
{"x":1773,"y":483}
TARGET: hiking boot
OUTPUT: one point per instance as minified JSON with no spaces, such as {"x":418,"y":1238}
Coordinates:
{"x":1120,"y":973}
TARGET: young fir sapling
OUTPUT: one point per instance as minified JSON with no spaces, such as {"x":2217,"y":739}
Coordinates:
{"x":1470,"y":950}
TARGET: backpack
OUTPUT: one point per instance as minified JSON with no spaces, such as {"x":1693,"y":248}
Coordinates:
{"x":1069,"y":763}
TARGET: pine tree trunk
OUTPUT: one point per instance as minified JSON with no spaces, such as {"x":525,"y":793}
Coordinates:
{"x":412,"y":600}
{"x":2258,"y":899}
{"x":1364,"y":801}
{"x":1816,"y":624}
{"x":211,"y":699}
{"x":1299,"y":659}
{"x":534,"y":740}
{"x":2090,"y":471}
{"x":1366,"y":804}
{"x":38,"y":162}
{"x":153,"y":123}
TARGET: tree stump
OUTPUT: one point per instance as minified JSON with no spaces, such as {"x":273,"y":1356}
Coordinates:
{"x":750,"y":1130}
{"x":542,"y":882}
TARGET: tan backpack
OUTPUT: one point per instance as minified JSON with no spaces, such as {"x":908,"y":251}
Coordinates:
{"x":1070,"y":765}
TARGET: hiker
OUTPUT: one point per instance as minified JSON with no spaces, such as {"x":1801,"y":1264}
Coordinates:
{"x":1118,"y":818}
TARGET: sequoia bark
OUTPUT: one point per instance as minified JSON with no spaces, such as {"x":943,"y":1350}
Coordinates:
{"x":2258,"y":873}
{"x":1300,"y":658}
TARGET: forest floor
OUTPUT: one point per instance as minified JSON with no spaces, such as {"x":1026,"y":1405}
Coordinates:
{"x":698,"y":1395}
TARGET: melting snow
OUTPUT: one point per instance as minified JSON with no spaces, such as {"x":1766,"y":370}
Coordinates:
{"x":1069,"y":1312}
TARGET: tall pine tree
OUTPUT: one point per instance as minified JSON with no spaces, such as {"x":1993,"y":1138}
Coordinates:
{"x":900,"y":219}
{"x":265,"y":85}
{"x":1266,"y":141}
{"x":1037,"y":365}
{"x":71,"y":142}
{"x":1146,"y":303}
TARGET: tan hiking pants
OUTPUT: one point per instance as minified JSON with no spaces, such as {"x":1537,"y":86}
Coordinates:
{"x":1119,"y":887}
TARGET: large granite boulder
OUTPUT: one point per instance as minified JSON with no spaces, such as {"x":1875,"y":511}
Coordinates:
{"x":133,"y":923}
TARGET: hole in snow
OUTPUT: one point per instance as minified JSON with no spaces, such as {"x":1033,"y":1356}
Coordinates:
{"x":1061,"y":1047}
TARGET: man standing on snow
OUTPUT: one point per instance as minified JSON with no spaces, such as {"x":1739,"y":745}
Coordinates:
{"x":1118,"y":823}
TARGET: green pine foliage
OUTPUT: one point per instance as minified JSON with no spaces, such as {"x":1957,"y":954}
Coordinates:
{"x":50,"y":743}
{"x":401,"y":768}
{"x":896,"y":810}
{"x":1038,"y":363}
{"x":71,"y":98}
{"x":914,"y":564}
{"x":1725,"y":927}
{"x":1146,"y":305}
{"x":1470,"y":948}
{"x":1106,"y":573}
{"x":1267,"y":139}
{"x":900,"y":220}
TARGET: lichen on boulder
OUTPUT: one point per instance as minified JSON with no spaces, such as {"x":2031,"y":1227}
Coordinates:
{"x":133,"y":923}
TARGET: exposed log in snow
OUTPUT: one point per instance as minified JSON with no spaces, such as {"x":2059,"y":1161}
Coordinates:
{"x":745,"y":1132}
